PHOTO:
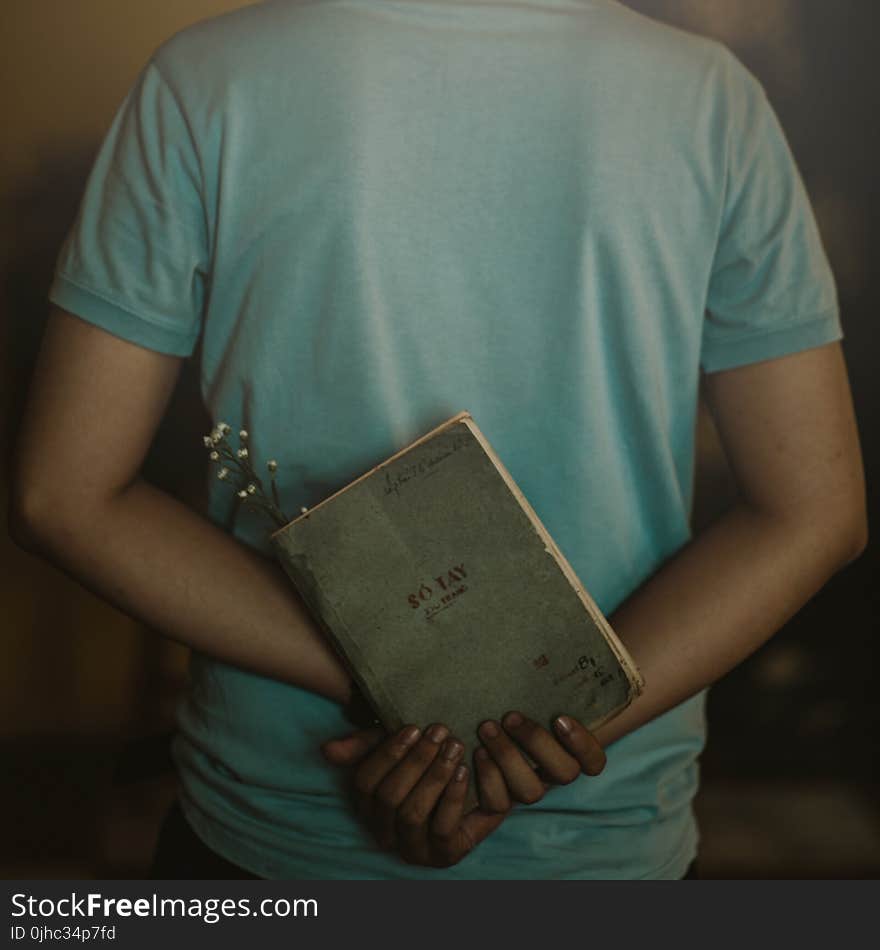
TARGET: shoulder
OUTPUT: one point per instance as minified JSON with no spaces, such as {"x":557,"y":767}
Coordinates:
{"x":656,"y":44}
{"x":208,"y":56}
{"x":667,"y":58}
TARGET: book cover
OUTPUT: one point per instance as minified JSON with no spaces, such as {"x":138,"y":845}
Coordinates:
{"x":447,"y":598}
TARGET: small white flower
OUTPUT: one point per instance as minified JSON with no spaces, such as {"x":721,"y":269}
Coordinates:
{"x":251,"y":489}
{"x":272,"y":465}
{"x":223,"y":474}
{"x":215,"y":456}
{"x":224,"y":429}
{"x":243,"y":435}
{"x":208,"y":441}
{"x":216,"y":436}
{"x":242,"y":494}
{"x":242,"y":453}
{"x":303,"y":510}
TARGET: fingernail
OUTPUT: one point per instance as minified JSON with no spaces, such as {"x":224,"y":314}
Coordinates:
{"x":488,"y":730}
{"x":452,"y":750}
{"x":563,"y":724}
{"x":513,"y":720}
{"x":409,"y":735}
{"x":437,"y":733}
{"x":460,"y":774}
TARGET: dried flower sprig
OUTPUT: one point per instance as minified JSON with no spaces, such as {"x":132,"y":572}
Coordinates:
{"x":237,"y":467}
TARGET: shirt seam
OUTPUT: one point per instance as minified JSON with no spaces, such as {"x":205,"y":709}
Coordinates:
{"x":125,"y":308}
{"x":721,"y":339}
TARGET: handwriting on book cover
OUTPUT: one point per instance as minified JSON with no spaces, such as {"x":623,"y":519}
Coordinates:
{"x":589,"y":668}
{"x":396,"y":476}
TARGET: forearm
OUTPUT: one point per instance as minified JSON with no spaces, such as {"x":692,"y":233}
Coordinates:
{"x":719,"y":599}
{"x":175,"y":571}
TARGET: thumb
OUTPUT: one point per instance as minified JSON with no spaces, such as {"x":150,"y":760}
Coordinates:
{"x":479,"y":824}
{"x":349,"y":749}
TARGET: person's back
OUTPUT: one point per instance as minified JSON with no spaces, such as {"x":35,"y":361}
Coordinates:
{"x":377,"y":213}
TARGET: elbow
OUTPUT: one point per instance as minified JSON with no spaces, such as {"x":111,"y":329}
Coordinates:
{"x":23,"y":519}
{"x":30,"y":517}
{"x":41,"y":518}
{"x":845,"y":533}
{"x":854,"y":522}
{"x":836,"y":534}
{"x":857,"y":538}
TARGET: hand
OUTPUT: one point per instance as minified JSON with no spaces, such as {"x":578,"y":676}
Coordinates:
{"x":504,"y":775}
{"x":410,"y":789}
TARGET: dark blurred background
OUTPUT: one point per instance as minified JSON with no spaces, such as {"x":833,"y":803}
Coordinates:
{"x":86,"y":695}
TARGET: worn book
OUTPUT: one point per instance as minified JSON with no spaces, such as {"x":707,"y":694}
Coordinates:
{"x":447,"y":598}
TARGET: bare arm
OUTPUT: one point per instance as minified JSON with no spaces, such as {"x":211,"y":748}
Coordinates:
{"x":79,"y":501}
{"x":789,"y":432}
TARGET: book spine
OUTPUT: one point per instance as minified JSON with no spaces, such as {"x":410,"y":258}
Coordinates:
{"x":337,"y":634}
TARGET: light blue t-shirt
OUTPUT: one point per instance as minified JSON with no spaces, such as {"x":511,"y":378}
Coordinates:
{"x":377,"y":213}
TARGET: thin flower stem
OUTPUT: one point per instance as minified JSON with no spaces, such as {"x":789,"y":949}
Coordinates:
{"x":246,"y":476}
{"x":277,"y":516}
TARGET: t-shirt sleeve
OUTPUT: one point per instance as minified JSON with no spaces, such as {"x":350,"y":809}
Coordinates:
{"x":771,"y":290}
{"x":135,"y":262}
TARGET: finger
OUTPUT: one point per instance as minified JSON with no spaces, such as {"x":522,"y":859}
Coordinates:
{"x":474,"y":827}
{"x":494,"y":796}
{"x":519,"y":776}
{"x":421,"y":801}
{"x":448,"y":840}
{"x":581,"y":743}
{"x":451,"y":806}
{"x":400,"y":781}
{"x":347,"y":750}
{"x":414,"y":814}
{"x":377,"y":765}
{"x":466,"y":833}
{"x":556,"y":764}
